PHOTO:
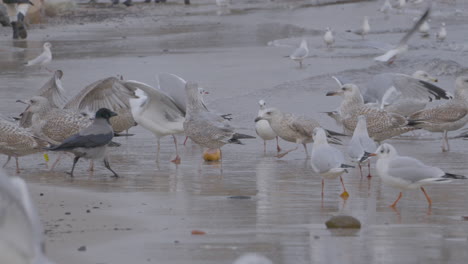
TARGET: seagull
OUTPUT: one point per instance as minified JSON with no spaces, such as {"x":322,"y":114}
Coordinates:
{"x":386,"y":7}
{"x":391,"y":54}
{"x":207,"y":129}
{"x":16,"y":141}
{"x":264,"y":130}
{"x":53,"y":91}
{"x":407,"y":173}
{"x":91,"y":142}
{"x":449,"y":116}
{"x":424,"y":29}
{"x":442,"y":34}
{"x":293,"y":128}
{"x":22,"y":238}
{"x":327,"y":160}
{"x":403,"y":94}
{"x":110,"y":93}
{"x":381,"y":124}
{"x":364,"y":30}
{"x":360,"y":144}
{"x":300,"y":53}
{"x":328,"y":38}
{"x":44,"y":58}
{"x":155,"y":111}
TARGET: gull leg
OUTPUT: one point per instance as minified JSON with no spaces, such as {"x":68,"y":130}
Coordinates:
{"x":396,"y":201}
{"x":444,"y":142}
{"x":91,"y":165}
{"x":345,"y":193}
{"x":107,"y":165}
{"x":360,"y":169}
{"x":17,"y":165}
{"x":305,"y":148}
{"x":277,"y":145}
{"x":280,"y":155}
{"x":8,"y":160}
{"x":300,"y":64}
{"x":185,"y":141}
{"x":323,"y":185}
{"x":264,"y":146}
{"x":157,"y":151}
{"x":368,"y":167}
{"x":56,"y":161}
{"x":75,"y":160}
{"x":429,"y":201}
{"x":177,"y":158}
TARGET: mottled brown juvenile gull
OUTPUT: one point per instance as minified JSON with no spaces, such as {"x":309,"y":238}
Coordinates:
{"x":326,"y":160}
{"x":205,"y":128}
{"x":53,"y":91}
{"x":300,"y":53}
{"x":157,"y":112}
{"x":449,"y":116}
{"x":407,"y":173}
{"x":381,"y":124}
{"x":263,"y":128}
{"x":110,"y":93}
{"x":90,"y":142}
{"x":16,"y":141}
{"x":293,"y":128}
{"x":22,"y":239}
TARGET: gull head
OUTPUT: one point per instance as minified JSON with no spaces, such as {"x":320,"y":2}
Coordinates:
{"x":461,"y":87}
{"x":346,"y":90}
{"x":36,"y":104}
{"x":385,"y":151}
{"x":105,"y":113}
{"x":262,"y":103}
{"x":319,"y":135}
{"x":47,"y":45}
{"x":268,"y":114}
{"x":422,"y":75}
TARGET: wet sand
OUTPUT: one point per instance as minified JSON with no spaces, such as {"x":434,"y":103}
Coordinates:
{"x":147,"y":215}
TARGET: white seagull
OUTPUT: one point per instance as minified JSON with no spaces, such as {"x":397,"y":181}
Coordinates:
{"x":21,"y":240}
{"x":327,"y":160}
{"x":263,"y":128}
{"x":386,"y":7}
{"x":328,"y":38}
{"x":442,"y":34}
{"x":424,"y":29}
{"x":407,"y":173}
{"x":391,"y":54}
{"x":360,"y":144}
{"x":300,"y":53}
{"x":44,"y":58}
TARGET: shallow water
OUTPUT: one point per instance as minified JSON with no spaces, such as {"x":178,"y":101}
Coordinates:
{"x":147,"y":215}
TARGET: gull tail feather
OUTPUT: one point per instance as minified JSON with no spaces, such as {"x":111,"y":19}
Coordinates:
{"x":334,"y":133}
{"x":454,"y":176}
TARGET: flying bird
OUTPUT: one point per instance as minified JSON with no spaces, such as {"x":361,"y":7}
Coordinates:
{"x":91,"y":142}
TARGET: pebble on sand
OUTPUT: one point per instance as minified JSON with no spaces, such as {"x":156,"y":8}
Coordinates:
{"x":343,"y":221}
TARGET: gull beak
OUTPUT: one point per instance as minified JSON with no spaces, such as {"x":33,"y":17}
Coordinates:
{"x":206,"y":92}
{"x":334,"y":93}
{"x":113,"y":114}
{"x":22,"y":101}
{"x":366,"y":156}
{"x":435,"y":79}
{"x":258,"y":119}
{"x":26,"y":103}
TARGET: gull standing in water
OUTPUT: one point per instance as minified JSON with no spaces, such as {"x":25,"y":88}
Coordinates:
{"x":292,"y":128}
{"x":157,"y":112}
{"x":391,"y":54}
{"x":328,"y":38}
{"x":22,"y":239}
{"x":360,"y":144}
{"x":300,"y":53}
{"x":91,"y":142}
{"x":442,"y":34}
{"x":381,"y":124}
{"x":364,"y":30}
{"x":407,"y":173}
{"x":44,"y":58}
{"x":424,"y":29}
{"x":449,"y":116}
{"x":264,"y":130}
{"x":386,"y":7}
{"x":327,"y":160}
{"x":403,"y":94}
{"x":16,"y":141}
{"x":205,"y":128}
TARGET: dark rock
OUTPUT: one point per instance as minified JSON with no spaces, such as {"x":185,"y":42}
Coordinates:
{"x":82,"y":248}
{"x":343,"y":221}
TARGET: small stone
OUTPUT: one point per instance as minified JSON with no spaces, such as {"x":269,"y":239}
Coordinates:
{"x":41,"y":194}
{"x":343,"y":221}
{"x":82,"y":248}
{"x":67,"y":213}
{"x":316,"y":237}
{"x":88,"y":211}
{"x":176,"y":242}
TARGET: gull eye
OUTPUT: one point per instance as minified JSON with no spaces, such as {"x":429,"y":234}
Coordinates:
{"x":382,"y":151}
{"x":268,"y":113}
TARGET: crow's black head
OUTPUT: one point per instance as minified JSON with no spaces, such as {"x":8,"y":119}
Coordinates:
{"x":105,"y":113}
